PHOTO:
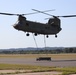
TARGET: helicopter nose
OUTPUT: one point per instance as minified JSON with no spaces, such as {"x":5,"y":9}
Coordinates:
{"x":16,"y":27}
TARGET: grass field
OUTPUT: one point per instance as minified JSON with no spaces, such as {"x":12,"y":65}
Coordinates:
{"x":54,"y":56}
{"x":31,"y":68}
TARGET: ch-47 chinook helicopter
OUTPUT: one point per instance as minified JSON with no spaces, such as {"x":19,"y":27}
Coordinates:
{"x":52,"y":27}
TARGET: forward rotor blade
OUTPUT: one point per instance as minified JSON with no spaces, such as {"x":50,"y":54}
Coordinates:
{"x":42,"y":12}
{"x":67,"y":16}
{"x":8,"y":14}
{"x":24,"y":14}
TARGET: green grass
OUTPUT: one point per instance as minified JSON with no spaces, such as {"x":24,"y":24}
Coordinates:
{"x":31,"y":68}
{"x":22,"y":67}
{"x":66,"y":70}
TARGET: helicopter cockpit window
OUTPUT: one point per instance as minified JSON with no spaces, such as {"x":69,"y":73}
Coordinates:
{"x":17,"y":22}
{"x":54,"y":21}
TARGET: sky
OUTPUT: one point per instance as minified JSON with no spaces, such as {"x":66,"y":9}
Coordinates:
{"x":11,"y":38}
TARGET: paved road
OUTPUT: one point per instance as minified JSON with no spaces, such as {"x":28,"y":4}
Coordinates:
{"x":32,"y":61}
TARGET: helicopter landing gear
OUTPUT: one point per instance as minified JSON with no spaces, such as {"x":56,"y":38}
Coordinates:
{"x":47,"y":36}
{"x":55,"y":35}
{"x":35,"y":34}
{"x":27,"y":34}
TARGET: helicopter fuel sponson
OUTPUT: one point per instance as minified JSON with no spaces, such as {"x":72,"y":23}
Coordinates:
{"x":50,"y":28}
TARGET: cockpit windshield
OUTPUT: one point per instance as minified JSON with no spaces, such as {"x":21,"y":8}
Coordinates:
{"x":17,"y":22}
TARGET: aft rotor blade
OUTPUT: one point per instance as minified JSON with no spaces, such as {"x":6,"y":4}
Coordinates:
{"x":42,"y":12}
{"x":67,"y":16}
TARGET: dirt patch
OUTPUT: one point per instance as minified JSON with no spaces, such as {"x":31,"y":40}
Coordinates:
{"x":11,"y":71}
{"x":36,"y":73}
{"x":41,"y":73}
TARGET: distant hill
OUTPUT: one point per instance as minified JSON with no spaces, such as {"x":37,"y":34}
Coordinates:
{"x":32,"y":48}
{"x":43,"y":50}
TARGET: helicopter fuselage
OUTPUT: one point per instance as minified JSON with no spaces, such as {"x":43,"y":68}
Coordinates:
{"x":36,"y":27}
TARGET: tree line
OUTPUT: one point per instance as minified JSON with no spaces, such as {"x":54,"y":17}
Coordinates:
{"x":51,"y":51}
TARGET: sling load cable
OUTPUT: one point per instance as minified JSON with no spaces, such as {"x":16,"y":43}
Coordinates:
{"x":35,"y":41}
{"x":45,"y":44}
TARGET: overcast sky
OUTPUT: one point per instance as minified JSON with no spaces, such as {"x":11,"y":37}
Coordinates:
{"x":11,"y":38}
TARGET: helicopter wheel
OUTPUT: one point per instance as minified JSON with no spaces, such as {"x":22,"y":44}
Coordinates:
{"x":27,"y":34}
{"x":47,"y":36}
{"x":35,"y":34}
{"x":56,"y":36}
